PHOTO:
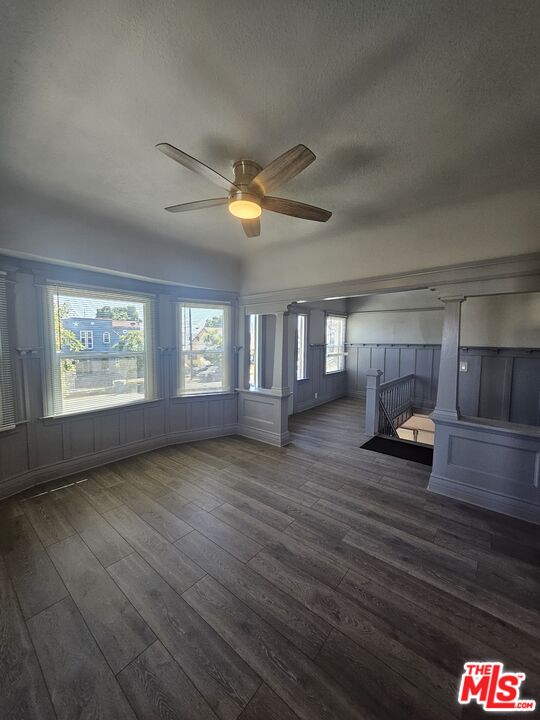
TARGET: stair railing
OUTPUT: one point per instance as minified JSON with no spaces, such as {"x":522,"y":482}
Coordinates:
{"x":388,"y":404}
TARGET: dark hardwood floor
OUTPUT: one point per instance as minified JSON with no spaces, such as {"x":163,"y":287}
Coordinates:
{"x":230,"y":579}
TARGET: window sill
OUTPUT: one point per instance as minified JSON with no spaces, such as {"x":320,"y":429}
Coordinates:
{"x":334,"y":372}
{"x":7,"y":428}
{"x":212,"y":393}
{"x":49,"y":419}
{"x":304,"y":379}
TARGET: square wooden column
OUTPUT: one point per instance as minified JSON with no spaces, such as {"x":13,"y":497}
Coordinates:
{"x":446,"y":407}
{"x":280,"y":376}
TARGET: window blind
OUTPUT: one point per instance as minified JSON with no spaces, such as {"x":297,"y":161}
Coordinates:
{"x":7,"y":396}
{"x":99,"y":349}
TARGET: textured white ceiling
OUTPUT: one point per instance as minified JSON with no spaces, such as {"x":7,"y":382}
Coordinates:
{"x":408,"y":106}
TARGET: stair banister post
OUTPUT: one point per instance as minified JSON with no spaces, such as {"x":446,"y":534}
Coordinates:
{"x":373,"y":390}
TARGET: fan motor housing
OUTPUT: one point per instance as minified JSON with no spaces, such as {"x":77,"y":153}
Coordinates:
{"x":245,"y":171}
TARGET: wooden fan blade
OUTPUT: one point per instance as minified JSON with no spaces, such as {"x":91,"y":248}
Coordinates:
{"x":197,"y":205}
{"x":197,"y":166}
{"x":282,"y":169}
{"x":252,"y":228}
{"x":295,"y":209}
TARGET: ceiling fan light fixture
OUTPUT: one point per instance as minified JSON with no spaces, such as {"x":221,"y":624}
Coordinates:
{"x":245,"y":209}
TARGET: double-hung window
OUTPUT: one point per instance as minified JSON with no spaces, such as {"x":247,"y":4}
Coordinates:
{"x":87,"y":339}
{"x":7,"y":397}
{"x":301,"y":347}
{"x":84,"y":372}
{"x":335,"y":343}
{"x":204,"y":331}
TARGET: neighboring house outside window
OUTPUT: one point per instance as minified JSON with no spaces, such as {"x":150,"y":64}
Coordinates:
{"x":204,"y":348}
{"x":335,"y":343}
{"x":91,"y":364}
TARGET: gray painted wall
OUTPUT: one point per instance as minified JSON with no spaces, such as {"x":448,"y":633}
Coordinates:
{"x":500,"y":383}
{"x":395,"y":361}
{"x":40,"y":448}
{"x":326,"y":387}
{"x":400,"y":333}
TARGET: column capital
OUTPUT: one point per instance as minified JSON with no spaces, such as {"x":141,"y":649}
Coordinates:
{"x":452,"y":298}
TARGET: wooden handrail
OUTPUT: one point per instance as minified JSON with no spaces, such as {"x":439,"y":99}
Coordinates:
{"x":396,"y":381}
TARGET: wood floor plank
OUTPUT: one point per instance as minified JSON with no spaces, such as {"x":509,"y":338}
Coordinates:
{"x":432,"y":599}
{"x":47,"y":519}
{"x":266,"y":705}
{"x":247,"y":524}
{"x":411,"y":553}
{"x":36,"y":581}
{"x":225,"y":681}
{"x":306,"y":630}
{"x":315,"y":562}
{"x":173,"y":566}
{"x":134,"y":473}
{"x":100,"y":498}
{"x":237,"y":544}
{"x":361,"y":626}
{"x":22,"y":688}
{"x":154,"y":513}
{"x":377,"y":690}
{"x":102,"y":539}
{"x":296,"y":679}
{"x":195,"y":494}
{"x":118,"y":629}
{"x":80,"y":681}
{"x":158,"y":689}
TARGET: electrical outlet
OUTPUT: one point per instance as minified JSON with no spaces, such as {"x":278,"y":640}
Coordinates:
{"x":463,"y":366}
{"x":316,"y":396}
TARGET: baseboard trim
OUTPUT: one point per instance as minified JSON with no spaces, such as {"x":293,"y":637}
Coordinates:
{"x":57,"y":471}
{"x":319,"y":401}
{"x":485,"y":499}
{"x":265,"y":436}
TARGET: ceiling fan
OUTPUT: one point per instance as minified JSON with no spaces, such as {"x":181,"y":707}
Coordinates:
{"x":247,"y":195}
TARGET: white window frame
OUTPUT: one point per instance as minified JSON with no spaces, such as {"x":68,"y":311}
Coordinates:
{"x":227,"y":347}
{"x":106,"y":334}
{"x":254,"y":353}
{"x":51,"y":402}
{"x":87,"y":339}
{"x":301,"y":346}
{"x":340,"y":353}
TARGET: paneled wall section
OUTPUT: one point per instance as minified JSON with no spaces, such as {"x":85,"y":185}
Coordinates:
{"x":499,"y":384}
